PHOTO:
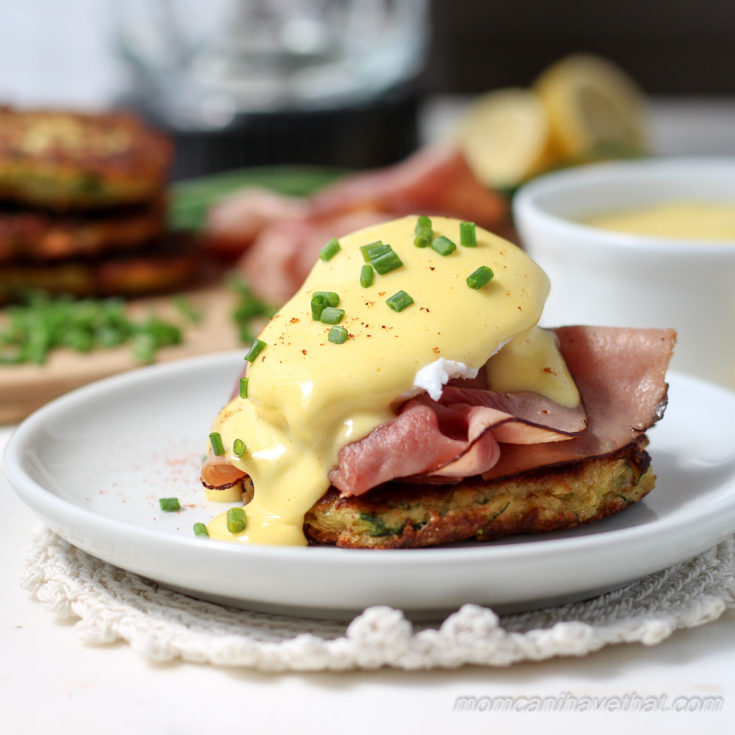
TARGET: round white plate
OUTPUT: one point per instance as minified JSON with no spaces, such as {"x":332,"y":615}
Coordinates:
{"x":94,"y":463}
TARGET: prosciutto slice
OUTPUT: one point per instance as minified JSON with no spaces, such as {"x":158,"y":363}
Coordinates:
{"x":235,"y":221}
{"x":435,"y":180}
{"x":284,"y":253}
{"x":279,"y":237}
{"x":620,"y":375}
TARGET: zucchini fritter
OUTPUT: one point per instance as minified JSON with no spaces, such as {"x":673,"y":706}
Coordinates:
{"x":69,"y":160}
{"x":168,"y":263}
{"x":404,"y":516}
{"x":38,"y":235}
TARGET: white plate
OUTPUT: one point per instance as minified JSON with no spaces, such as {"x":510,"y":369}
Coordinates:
{"x":93,"y":464}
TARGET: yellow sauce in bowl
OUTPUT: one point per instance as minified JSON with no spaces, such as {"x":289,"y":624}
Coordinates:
{"x":683,"y":220}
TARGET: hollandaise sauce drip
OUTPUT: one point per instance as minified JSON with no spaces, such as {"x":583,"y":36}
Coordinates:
{"x":307,"y":396}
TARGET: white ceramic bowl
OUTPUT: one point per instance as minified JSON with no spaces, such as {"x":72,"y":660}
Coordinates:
{"x":607,"y":278}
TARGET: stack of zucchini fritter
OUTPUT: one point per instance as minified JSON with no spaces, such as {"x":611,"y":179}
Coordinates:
{"x":83,"y":206}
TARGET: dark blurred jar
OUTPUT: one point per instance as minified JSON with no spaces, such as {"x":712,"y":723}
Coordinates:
{"x":254,"y":82}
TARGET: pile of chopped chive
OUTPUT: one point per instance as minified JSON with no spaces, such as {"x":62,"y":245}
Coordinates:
{"x":42,"y":323}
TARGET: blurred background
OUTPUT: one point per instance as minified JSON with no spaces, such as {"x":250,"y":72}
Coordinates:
{"x":264,"y":105}
{"x":355,"y":84}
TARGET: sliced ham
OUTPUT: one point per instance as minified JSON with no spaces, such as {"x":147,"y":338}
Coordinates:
{"x":454,"y":437}
{"x":279,"y":237}
{"x":620,"y":374}
{"x":234,"y":223}
{"x":436,"y":180}
{"x":284,"y":253}
{"x":218,"y":474}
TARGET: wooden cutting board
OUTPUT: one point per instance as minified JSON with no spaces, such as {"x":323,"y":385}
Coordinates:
{"x":24,"y":388}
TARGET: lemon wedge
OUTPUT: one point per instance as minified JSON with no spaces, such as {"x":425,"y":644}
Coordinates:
{"x":505,"y":137}
{"x":592,"y":105}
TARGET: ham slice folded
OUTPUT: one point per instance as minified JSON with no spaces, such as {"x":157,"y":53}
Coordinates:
{"x":620,"y":374}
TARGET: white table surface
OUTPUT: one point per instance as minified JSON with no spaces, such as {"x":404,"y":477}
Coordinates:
{"x":50,"y":682}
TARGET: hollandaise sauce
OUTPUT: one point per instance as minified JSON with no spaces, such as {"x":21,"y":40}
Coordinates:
{"x":687,"y":220}
{"x":312,"y":389}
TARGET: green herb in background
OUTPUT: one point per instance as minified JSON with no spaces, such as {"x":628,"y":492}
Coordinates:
{"x":187,"y":309}
{"x":42,"y":323}
{"x":249,"y":309}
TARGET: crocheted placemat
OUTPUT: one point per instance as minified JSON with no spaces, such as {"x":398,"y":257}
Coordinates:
{"x":110,"y":604}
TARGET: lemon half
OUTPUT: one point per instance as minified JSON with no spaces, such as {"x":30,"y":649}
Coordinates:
{"x":591,"y":104}
{"x":505,"y":137}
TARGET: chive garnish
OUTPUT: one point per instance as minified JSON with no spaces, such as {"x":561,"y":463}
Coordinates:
{"x":330,"y":249}
{"x":170,"y":505}
{"x":338,"y":335}
{"x":422,"y":223}
{"x":366,"y":275}
{"x":320,"y":301}
{"x":257,"y":347}
{"x":382,"y":257}
{"x":317,"y":306}
{"x":423,"y":238}
{"x":243,"y":387}
{"x":374,"y":250}
{"x":330,"y":297}
{"x":443,"y":245}
{"x":387,"y":262}
{"x":480,"y":277}
{"x":399,"y":301}
{"x":330,"y":315}
{"x":215,"y":439}
{"x":423,"y":232}
{"x":200,"y":529}
{"x":236,"y":520}
{"x":467,"y":234}
{"x":238,"y":447}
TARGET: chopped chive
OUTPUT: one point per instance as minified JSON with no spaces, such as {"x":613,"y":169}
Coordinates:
{"x":185,"y":307}
{"x":243,"y":387}
{"x":422,"y":223}
{"x":317,"y":306}
{"x":443,"y":245}
{"x":257,"y":347}
{"x":399,"y":301}
{"x":480,"y":277}
{"x":423,"y":238}
{"x":423,"y":232}
{"x":330,"y":297}
{"x":200,"y":529}
{"x":215,"y":439}
{"x":236,"y":520}
{"x":330,"y":249}
{"x":238,"y":447}
{"x":373,"y":250}
{"x":338,"y":335}
{"x":330,"y":315}
{"x":169,"y":504}
{"x":467,"y":234}
{"x":366,"y":275}
{"x":387,"y":262}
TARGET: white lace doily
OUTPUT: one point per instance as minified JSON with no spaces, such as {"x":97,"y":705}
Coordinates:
{"x":110,"y":604}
